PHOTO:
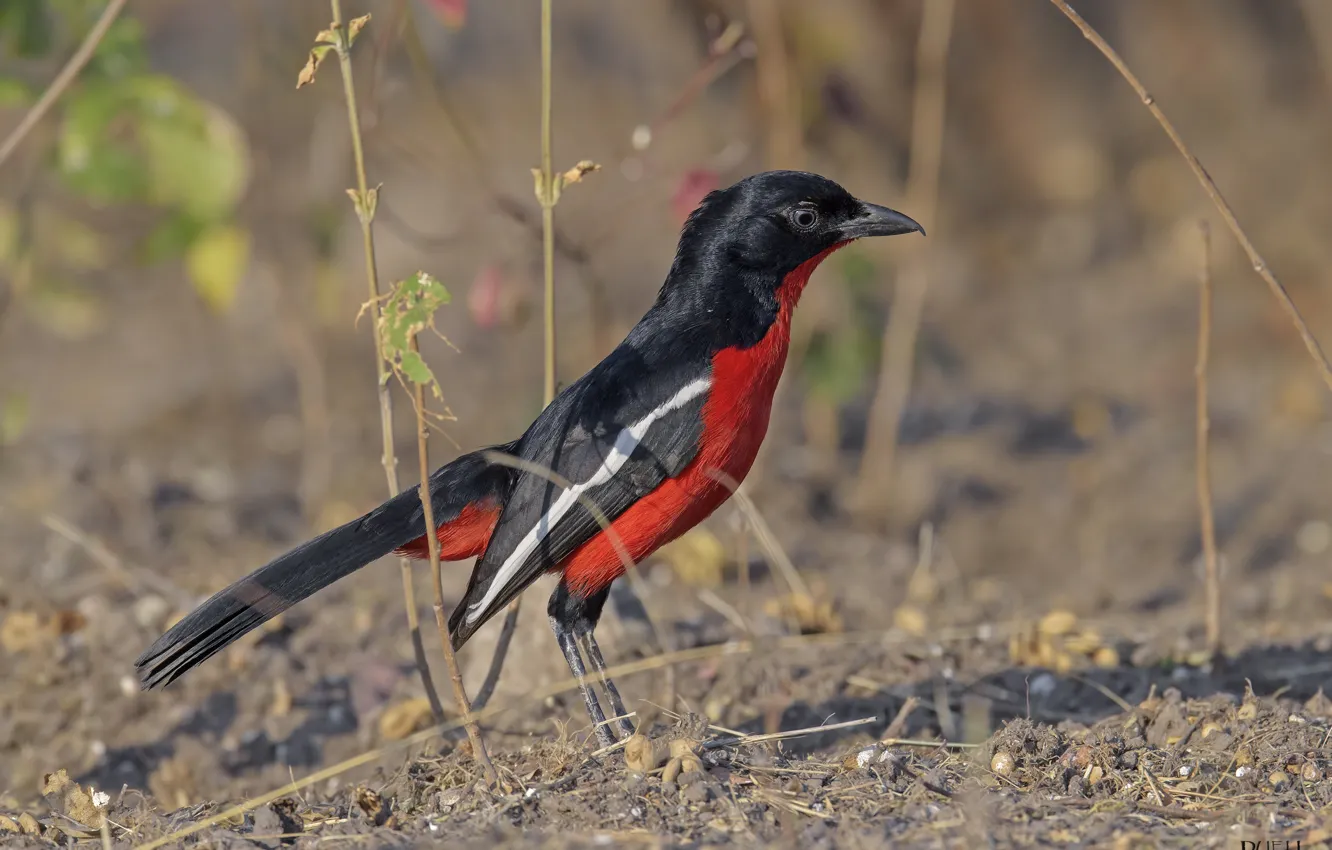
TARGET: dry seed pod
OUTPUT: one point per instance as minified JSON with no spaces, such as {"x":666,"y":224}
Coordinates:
{"x":644,"y":755}
{"x":690,"y":763}
{"x":671,"y":771}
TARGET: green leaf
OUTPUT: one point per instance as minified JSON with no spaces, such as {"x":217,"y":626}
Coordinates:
{"x":91,"y":154}
{"x":121,"y":51}
{"x":170,"y":238}
{"x":837,"y":365}
{"x":26,"y":27}
{"x":196,"y":154}
{"x":14,"y":92}
{"x":410,"y":309}
{"x":415,"y":368}
{"x":216,"y":262}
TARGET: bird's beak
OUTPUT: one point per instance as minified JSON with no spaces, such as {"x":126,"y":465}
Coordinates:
{"x":875,"y":220}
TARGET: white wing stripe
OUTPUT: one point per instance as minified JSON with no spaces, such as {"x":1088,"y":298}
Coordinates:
{"x":625,"y":444}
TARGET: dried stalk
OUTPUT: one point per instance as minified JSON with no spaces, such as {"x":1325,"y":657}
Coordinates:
{"x":874,"y":487}
{"x":479,"y":751}
{"x":365,"y":212}
{"x":548,"y":197}
{"x":1205,"y":514}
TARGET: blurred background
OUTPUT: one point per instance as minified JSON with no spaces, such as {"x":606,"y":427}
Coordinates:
{"x":185,"y":391}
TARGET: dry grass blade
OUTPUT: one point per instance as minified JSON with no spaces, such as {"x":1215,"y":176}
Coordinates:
{"x":874,"y":484}
{"x":128,"y":576}
{"x":1206,"y":517}
{"x":767,"y":540}
{"x":1209,"y":186}
{"x":63,"y":79}
{"x":792,"y":733}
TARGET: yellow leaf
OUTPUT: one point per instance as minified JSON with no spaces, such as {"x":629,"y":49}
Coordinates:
{"x":216,"y":261}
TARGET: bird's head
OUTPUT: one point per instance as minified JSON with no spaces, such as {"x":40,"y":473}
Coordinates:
{"x":769,"y":225}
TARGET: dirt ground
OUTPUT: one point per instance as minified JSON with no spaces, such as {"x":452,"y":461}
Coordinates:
{"x":1035,"y":597}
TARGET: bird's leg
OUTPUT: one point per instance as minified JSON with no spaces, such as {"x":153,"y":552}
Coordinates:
{"x":592,"y":607}
{"x":612,"y":693}
{"x":564,"y":622}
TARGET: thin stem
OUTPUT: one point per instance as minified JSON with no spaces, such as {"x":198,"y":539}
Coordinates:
{"x":366,"y":214}
{"x":899,"y":347}
{"x":479,"y":751}
{"x":1213,"y":193}
{"x":1203,"y":426}
{"x":62,"y":80}
{"x":547,"y":197}
{"x":548,"y":200}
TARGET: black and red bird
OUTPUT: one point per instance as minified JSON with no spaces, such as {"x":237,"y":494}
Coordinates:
{"x":643,"y":436}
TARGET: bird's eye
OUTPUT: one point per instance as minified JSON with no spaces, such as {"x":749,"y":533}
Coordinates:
{"x":804,"y":218}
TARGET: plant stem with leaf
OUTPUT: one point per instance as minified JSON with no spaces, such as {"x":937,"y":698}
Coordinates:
{"x":365,"y":200}
{"x":479,"y":751}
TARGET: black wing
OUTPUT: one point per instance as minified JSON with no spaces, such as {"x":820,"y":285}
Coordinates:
{"x":616,"y":435}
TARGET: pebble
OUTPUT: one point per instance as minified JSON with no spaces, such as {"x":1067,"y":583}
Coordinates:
{"x":1002,"y":763}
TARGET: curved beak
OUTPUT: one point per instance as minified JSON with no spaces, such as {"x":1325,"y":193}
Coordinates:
{"x":875,"y":220}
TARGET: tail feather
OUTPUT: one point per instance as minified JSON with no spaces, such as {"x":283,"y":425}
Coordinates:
{"x":314,"y":565}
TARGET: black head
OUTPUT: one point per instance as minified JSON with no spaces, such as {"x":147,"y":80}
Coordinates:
{"x":775,"y":221}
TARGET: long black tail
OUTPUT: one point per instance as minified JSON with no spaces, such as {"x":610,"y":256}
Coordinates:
{"x":314,"y":565}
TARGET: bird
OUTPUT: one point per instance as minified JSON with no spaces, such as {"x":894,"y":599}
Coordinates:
{"x":650,"y":441}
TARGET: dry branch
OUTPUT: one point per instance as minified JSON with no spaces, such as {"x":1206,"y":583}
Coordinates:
{"x":1209,"y":186}
{"x":874,"y":486}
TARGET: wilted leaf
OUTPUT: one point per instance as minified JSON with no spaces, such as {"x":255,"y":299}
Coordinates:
{"x":312,"y":63}
{"x":67,"y":796}
{"x":579,"y":171}
{"x":216,"y":262}
{"x":452,"y":12}
{"x":354,"y":27}
{"x":691,"y":190}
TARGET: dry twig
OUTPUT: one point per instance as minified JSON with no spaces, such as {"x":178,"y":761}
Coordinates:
{"x":1205,"y":515}
{"x":874,"y":486}
{"x":1213,"y":193}
{"x":479,"y":751}
{"x":62,"y":80}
